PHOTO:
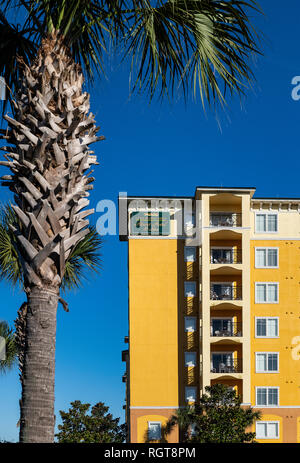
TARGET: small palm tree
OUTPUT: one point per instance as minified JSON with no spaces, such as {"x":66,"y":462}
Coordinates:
{"x":190,"y":43}
{"x":9,"y":347}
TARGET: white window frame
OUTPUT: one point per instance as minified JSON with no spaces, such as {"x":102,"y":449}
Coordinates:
{"x":186,"y":251}
{"x":266,"y":283}
{"x":190,"y":388}
{"x":188,"y":283}
{"x":266,"y":214}
{"x":154,"y":423}
{"x":185,"y":360}
{"x":267,"y":318}
{"x":266,"y":422}
{"x":267,"y":371}
{"x":266,"y":387}
{"x":266,"y":248}
{"x":186,"y":321}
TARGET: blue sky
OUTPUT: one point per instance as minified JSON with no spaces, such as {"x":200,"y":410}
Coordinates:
{"x":165,"y":149}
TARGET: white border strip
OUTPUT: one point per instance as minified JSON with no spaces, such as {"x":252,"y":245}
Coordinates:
{"x":246,"y":404}
{"x":153,"y":408}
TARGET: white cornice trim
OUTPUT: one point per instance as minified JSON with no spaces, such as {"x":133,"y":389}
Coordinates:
{"x":147,"y":237}
{"x":274,"y":239}
{"x":243,"y":404}
{"x":153,"y":408}
{"x":227,"y":228}
{"x":276,"y":406}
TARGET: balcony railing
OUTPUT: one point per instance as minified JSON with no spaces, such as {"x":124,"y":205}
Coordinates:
{"x":226,"y":256}
{"x":226,"y":328}
{"x":231,"y":366}
{"x":226,"y":219}
{"x":225,"y":292}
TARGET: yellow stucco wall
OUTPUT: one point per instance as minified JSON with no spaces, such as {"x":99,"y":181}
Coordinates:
{"x":288,"y":342}
{"x":153,"y":322}
{"x":142,"y":425}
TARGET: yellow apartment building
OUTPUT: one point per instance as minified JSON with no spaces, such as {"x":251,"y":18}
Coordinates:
{"x":214,"y":297}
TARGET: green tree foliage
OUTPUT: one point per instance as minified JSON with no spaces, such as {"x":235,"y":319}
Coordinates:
{"x":218,"y":418}
{"x":84,"y":259}
{"x":11,"y":350}
{"x":97,"y":427}
{"x":202,"y":46}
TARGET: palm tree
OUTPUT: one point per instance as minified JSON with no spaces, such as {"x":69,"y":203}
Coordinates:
{"x":191,"y":43}
{"x":9,"y":348}
{"x":85,"y":256}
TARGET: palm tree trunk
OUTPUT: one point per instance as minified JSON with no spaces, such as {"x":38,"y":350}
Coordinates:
{"x":50,"y":160}
{"x":37,"y":403}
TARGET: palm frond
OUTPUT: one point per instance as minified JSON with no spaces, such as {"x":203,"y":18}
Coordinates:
{"x":84,"y":259}
{"x":10,"y":263}
{"x":82,"y":23}
{"x":195,"y":44}
{"x":15,"y":42}
{"x":11,"y":350}
{"x":200,"y":46}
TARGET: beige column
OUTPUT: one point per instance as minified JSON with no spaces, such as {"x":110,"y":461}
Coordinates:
{"x":205,"y":293}
{"x":246,"y":298}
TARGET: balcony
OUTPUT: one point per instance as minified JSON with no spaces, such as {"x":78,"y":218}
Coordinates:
{"x":223,"y":292}
{"x":225,"y":256}
{"x":225,"y":219}
{"x":227,"y":328}
{"x":226,"y":365}
{"x":125,"y":355}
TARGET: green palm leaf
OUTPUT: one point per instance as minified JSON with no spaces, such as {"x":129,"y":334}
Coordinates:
{"x":197,"y":45}
{"x":84,"y":259}
{"x":10,"y":262}
{"x":14,"y":42}
{"x":11,"y":350}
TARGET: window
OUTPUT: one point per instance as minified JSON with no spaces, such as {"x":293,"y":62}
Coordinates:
{"x":190,"y":394}
{"x":190,"y":324}
{"x":267,"y":362}
{"x":224,"y":290}
{"x":2,"y":88}
{"x":222,"y":327}
{"x":266,"y":257}
{"x":190,"y":289}
{"x":192,"y":429}
{"x":266,"y":223}
{"x":266,"y":293}
{"x":266,"y":327}
{"x":267,"y":430}
{"x":190,"y":359}
{"x":189,"y":222}
{"x":224,"y":362}
{"x":154,"y":430}
{"x":224,"y":255}
{"x":190,"y":254}
{"x":267,"y":396}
